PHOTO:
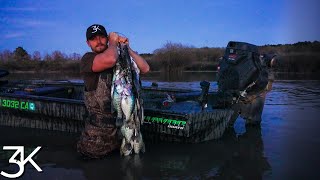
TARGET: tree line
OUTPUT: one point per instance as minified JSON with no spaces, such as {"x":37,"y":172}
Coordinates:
{"x":301,"y":57}
{"x":21,"y":60}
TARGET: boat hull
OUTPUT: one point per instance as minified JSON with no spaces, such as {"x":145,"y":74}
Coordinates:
{"x":183,"y":121}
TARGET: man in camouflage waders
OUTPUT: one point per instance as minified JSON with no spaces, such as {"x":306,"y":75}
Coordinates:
{"x":99,"y":136}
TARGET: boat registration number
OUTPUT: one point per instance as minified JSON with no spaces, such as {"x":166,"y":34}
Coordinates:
{"x":15,"y":104}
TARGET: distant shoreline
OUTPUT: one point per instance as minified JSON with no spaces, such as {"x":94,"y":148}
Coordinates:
{"x":172,"y":58}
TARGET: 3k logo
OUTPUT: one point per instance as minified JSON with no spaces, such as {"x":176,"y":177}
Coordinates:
{"x":95,"y":29}
{"x":22,"y":162}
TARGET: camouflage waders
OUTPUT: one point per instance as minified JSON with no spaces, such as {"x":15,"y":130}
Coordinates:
{"x":251,"y":107}
{"x":99,"y":136}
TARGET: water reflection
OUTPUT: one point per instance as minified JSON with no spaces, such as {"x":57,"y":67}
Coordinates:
{"x":289,"y":145}
{"x":232,"y":157}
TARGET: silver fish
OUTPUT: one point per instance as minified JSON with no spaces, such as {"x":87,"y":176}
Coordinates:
{"x":122,"y":95}
{"x":126,"y":148}
{"x":127,"y":103}
{"x":127,"y":130}
{"x":138,"y":144}
{"x":116,"y":94}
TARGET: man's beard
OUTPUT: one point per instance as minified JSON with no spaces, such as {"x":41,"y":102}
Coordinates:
{"x":99,"y":48}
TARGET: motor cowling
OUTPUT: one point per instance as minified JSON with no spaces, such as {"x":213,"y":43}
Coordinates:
{"x":239,"y":67}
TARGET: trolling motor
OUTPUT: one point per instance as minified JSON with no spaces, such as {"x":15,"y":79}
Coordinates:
{"x":203,"y":99}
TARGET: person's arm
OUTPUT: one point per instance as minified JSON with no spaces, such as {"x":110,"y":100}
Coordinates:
{"x":141,"y":63}
{"x":108,"y":58}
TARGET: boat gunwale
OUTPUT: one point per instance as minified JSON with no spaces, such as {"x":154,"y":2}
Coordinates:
{"x":44,"y":98}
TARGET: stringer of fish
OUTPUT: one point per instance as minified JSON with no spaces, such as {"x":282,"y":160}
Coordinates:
{"x":127,"y":103}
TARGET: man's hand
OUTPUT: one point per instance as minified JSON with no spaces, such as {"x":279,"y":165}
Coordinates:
{"x":113,"y":38}
{"x":123,"y":40}
{"x":108,"y":58}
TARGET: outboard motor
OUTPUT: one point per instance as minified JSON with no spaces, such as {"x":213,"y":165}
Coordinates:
{"x":240,"y":67}
{"x":243,"y":78}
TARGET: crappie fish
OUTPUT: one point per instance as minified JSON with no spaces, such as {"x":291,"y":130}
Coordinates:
{"x":116,"y":92}
{"x":126,"y":101}
{"x":125,"y":148}
{"x":127,"y":130}
{"x":127,"y":105}
{"x":122,"y":96}
{"x":138,"y":144}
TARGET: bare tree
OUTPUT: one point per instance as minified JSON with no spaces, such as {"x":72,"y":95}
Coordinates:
{"x":47,"y":57}
{"x":58,"y":56}
{"x":6,"y":55}
{"x":174,"y":56}
{"x":36,"y":56}
{"x":75,"y":56}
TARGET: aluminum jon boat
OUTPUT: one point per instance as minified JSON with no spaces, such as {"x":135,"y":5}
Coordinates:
{"x":174,"y":115}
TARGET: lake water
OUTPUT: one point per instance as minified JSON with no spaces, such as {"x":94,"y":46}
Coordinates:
{"x":287,"y":145}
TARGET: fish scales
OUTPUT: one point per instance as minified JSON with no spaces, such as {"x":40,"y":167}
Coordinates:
{"x":126,"y":87}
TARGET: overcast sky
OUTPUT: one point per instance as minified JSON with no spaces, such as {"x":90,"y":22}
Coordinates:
{"x":46,"y":26}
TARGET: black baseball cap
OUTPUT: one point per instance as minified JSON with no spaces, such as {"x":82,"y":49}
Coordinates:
{"x":96,"y":29}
